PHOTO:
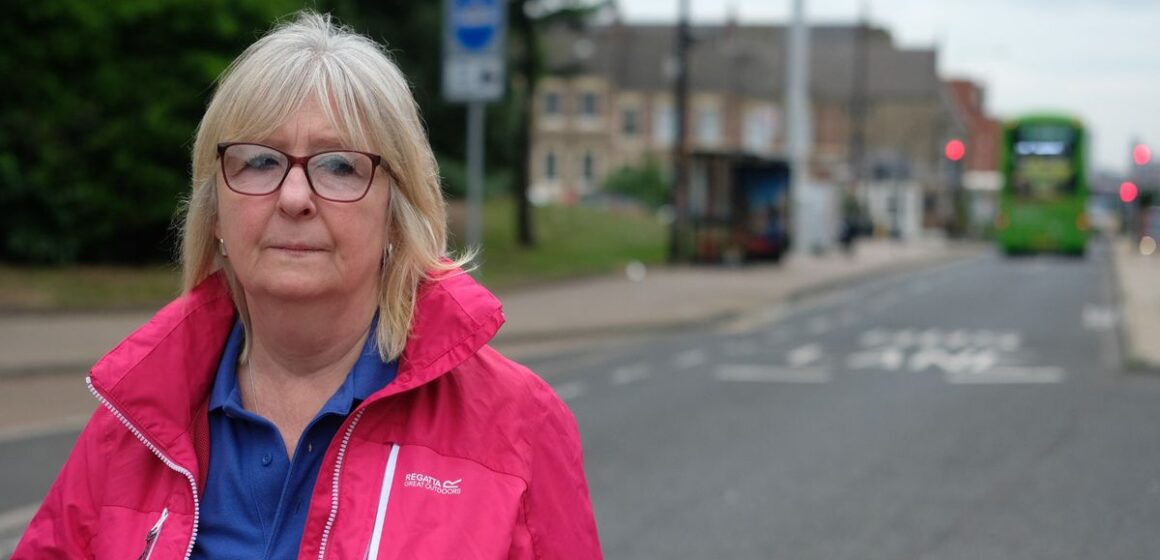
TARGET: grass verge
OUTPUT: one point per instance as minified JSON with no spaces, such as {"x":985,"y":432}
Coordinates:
{"x":86,"y":287}
{"x":572,"y":241}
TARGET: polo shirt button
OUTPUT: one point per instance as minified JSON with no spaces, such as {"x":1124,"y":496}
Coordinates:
{"x":266,"y":460}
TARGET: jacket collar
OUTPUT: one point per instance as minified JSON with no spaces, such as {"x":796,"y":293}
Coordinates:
{"x":159,"y":377}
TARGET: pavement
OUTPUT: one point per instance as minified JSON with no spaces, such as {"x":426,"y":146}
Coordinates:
{"x":43,"y":357}
{"x":1138,"y":286}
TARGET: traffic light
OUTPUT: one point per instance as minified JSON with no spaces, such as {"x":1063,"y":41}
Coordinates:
{"x":955,"y":150}
{"x":1141,"y":154}
{"x":1128,"y":191}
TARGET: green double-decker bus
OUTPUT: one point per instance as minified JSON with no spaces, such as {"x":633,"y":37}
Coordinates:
{"x":1043,"y":199}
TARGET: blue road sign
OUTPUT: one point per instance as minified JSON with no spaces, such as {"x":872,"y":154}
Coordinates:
{"x":475,"y":22}
{"x":473,"y":45}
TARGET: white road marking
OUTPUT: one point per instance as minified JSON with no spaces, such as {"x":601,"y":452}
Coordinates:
{"x":1098,"y":317}
{"x":570,"y":390}
{"x":630,"y":374}
{"x":1007,"y":341}
{"x":1007,"y":375}
{"x":747,"y":373}
{"x":890,"y":358}
{"x":930,"y":337}
{"x":804,"y":355}
{"x":957,"y":339}
{"x":965,"y":361}
{"x":690,"y":359}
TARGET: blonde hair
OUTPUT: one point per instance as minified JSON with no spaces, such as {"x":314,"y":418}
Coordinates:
{"x":372,"y":107}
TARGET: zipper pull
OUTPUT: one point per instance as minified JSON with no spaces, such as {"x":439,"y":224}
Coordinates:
{"x":151,"y":538}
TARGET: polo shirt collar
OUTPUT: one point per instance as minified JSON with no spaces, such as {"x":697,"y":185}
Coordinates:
{"x":368,"y":375}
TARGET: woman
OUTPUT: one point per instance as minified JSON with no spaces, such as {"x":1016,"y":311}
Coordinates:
{"x":324,"y":388}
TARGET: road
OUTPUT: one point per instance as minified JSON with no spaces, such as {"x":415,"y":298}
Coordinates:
{"x":971,"y":411}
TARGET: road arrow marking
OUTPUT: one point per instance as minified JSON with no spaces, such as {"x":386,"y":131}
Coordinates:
{"x":890,"y":358}
{"x":965,"y":361}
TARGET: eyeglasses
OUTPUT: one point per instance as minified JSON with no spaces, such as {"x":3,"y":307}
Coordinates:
{"x":257,"y":170}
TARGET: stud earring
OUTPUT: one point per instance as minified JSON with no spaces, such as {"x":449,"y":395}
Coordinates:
{"x":222,"y":246}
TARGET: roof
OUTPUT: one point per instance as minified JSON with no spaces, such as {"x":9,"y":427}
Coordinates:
{"x":748,"y":60}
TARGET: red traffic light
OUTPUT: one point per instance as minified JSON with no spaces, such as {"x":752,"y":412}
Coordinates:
{"x":955,"y":150}
{"x":1141,"y":154}
{"x":1128,"y":191}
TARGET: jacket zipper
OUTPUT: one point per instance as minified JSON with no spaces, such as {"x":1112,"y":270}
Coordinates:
{"x":154,"y":533}
{"x":164,"y":459}
{"x":384,"y":500}
{"x":334,"y":483}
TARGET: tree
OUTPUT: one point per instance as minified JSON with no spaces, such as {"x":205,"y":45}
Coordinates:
{"x":101,"y":102}
{"x":527,"y":21}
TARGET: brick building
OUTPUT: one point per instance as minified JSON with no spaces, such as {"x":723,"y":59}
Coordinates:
{"x":608,"y":102}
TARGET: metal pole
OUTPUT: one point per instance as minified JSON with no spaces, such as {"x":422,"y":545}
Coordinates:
{"x":859,"y":91}
{"x":475,"y":124}
{"x":798,"y":125}
{"x":680,"y":145}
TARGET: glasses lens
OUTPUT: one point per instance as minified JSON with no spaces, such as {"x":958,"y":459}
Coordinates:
{"x":342,"y":176}
{"x":253,"y":169}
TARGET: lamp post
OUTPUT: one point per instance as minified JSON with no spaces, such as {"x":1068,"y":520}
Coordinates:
{"x":797,"y":106}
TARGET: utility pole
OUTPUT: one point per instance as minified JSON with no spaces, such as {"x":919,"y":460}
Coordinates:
{"x":858,"y":105}
{"x":680,"y":143}
{"x":798,"y":122}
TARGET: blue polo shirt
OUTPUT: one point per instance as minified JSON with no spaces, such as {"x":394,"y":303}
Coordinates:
{"x":256,"y":497}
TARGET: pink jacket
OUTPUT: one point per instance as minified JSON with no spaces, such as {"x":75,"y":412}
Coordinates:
{"x":465,"y":455}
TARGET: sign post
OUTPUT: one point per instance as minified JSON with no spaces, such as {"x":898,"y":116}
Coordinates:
{"x":473,"y":73}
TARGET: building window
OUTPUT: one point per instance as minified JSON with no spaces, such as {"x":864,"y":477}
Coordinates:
{"x":589,"y":104}
{"x":759,"y":129}
{"x":708,"y":125}
{"x":551,"y":103}
{"x":550,"y":166}
{"x":664,"y":126}
{"x":589,"y":167}
{"x":629,"y":122}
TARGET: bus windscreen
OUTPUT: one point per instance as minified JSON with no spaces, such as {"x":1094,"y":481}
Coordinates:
{"x":1042,"y":162}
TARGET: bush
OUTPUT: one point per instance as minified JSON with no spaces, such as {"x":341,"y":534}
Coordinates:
{"x":646,"y":183}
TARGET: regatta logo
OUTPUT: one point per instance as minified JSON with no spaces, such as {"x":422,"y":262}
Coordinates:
{"x":446,"y":487}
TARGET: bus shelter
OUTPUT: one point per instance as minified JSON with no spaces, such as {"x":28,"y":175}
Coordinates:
{"x":737,"y":208}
